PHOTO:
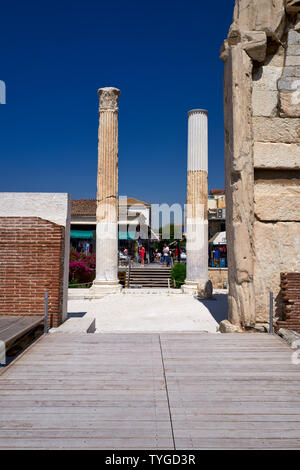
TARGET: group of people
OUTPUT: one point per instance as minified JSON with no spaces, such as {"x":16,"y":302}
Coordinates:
{"x":165,"y":258}
{"x":218,"y":257}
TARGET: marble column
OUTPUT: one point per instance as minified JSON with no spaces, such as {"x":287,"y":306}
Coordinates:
{"x":107,"y":195}
{"x":196,"y":223}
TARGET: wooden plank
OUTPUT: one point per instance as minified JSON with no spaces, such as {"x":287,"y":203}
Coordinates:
{"x":108,"y":391}
{"x":121,"y":403}
{"x":232,"y":392}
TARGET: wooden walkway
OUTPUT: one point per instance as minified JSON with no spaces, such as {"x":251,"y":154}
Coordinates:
{"x":150,"y":391}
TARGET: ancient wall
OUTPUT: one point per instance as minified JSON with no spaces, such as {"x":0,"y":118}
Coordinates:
{"x":262,"y":154}
{"x":218,"y":277}
{"x":32,"y":263}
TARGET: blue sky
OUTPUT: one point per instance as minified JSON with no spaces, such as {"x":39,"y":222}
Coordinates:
{"x":163,"y":55}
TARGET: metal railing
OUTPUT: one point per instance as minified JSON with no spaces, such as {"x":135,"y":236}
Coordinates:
{"x":128,"y":272}
{"x":46,"y":313}
{"x":271,"y":328}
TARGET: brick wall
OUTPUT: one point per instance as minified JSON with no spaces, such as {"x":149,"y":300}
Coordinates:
{"x":31,"y":262}
{"x":290,"y":297}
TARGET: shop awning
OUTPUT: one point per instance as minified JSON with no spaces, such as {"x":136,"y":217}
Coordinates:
{"x":127,"y":235}
{"x":82,"y":234}
{"x":218,"y":239}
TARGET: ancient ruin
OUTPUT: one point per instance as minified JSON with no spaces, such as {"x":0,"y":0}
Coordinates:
{"x":107,"y":195}
{"x":262,"y":154}
{"x":196,"y":208}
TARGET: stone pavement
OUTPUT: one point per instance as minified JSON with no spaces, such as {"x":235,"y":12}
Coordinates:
{"x":156,"y":312}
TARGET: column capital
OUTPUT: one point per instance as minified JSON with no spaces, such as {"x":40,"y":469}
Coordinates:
{"x":197,"y":111}
{"x":108,"y":99}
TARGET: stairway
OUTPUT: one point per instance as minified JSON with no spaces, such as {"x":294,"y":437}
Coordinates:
{"x":150,"y":277}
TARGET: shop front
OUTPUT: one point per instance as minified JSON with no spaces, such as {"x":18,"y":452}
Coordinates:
{"x":218,"y":251}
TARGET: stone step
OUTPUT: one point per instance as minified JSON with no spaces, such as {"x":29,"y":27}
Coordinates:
{"x":144,"y":278}
{"x":153,"y":291}
{"x":150,"y":277}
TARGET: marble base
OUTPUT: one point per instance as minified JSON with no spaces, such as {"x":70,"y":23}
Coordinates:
{"x":101,"y":288}
{"x":190,"y":287}
{"x":202,"y":289}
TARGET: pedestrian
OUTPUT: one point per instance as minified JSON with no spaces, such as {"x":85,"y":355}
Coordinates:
{"x":165,"y":254}
{"x":217,"y":257}
{"x":142,"y":255}
{"x":170,"y":259}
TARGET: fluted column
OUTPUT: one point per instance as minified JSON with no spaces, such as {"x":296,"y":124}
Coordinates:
{"x":196,"y":208}
{"x":107,"y":194}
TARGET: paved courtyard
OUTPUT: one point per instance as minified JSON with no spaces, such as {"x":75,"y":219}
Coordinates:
{"x":151,"y":312}
{"x":152,"y":391}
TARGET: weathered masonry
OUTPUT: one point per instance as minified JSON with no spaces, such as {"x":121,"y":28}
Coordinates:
{"x":107,"y":195}
{"x":196,"y":216}
{"x":262,"y":154}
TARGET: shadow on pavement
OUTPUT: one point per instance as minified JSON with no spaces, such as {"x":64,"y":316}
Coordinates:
{"x":217,"y":306}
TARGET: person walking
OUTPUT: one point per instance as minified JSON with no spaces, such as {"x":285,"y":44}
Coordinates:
{"x":142,"y":255}
{"x":165,"y":254}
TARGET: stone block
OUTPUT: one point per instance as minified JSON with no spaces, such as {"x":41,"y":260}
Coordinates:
{"x":218,"y":277}
{"x":292,"y":60}
{"x":293,"y":38}
{"x":255,"y":44}
{"x":266,"y":78}
{"x":277,"y":249}
{"x":277,"y":201}
{"x":290,"y":103}
{"x":276,"y":130}
{"x":290,"y":83}
{"x":260,"y":15}
{"x":293,"y":50}
{"x":280,"y":156}
{"x":227,"y":327}
{"x":264,"y":103}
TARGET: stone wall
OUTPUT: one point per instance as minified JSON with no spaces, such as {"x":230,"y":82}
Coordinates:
{"x":32,"y":262}
{"x":218,"y":276}
{"x":262,"y":154}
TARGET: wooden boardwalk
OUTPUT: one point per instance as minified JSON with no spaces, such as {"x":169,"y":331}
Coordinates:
{"x":151,"y":391}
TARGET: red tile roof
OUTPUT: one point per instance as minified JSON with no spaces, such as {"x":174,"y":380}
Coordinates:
{"x":88,"y":206}
{"x":84,"y":207}
{"x":217,"y":192}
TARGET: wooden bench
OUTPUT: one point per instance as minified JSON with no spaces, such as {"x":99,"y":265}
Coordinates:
{"x":13,"y":327}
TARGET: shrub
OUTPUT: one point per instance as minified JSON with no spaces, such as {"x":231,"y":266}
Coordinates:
{"x":81,"y":267}
{"x":178,"y":274}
